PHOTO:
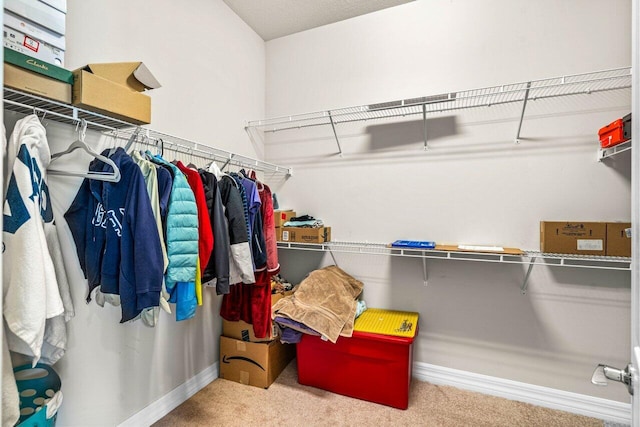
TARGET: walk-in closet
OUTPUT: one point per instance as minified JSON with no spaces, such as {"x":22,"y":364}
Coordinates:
{"x":401,"y":158}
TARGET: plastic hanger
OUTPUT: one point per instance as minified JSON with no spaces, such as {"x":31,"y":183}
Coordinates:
{"x":80,"y":143}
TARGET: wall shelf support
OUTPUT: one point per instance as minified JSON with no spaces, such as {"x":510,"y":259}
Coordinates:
{"x":335,"y":134}
{"x":523,"y":288}
{"x":524,"y":107}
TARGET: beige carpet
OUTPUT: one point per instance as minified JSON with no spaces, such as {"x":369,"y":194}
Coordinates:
{"x":287,"y":403}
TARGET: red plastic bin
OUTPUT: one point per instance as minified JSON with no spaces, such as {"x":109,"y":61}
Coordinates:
{"x":367,"y":366}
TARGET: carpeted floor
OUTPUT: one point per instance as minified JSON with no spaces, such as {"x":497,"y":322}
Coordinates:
{"x":287,"y":403}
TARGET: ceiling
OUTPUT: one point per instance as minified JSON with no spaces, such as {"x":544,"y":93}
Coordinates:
{"x":277,"y":18}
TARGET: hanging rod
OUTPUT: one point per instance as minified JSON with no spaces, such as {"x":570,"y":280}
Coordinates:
{"x":25,"y":103}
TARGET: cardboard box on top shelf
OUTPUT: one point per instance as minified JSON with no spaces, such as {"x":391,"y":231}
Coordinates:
{"x":619,"y":239}
{"x":17,"y":41}
{"x":40,"y":13}
{"x":584,"y":238}
{"x":282,"y":216}
{"x":243,"y":331}
{"x":303,"y":234}
{"x":114,"y":89}
{"x":27,"y":74}
{"x":27,"y":81}
{"x":252,"y":363}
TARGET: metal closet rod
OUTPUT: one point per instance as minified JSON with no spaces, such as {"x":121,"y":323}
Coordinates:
{"x":73,"y":115}
{"x":208,"y":153}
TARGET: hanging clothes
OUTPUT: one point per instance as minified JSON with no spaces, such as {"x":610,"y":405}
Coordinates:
{"x":116,"y":236}
{"x":205,"y":233}
{"x":216,"y":271}
{"x":150,"y":173}
{"x":256,"y":236}
{"x":240,"y":266}
{"x":182,"y":243}
{"x":269,"y":228}
{"x":31,"y":290}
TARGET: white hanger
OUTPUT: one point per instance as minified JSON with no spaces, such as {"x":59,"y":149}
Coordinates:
{"x":79,"y":143}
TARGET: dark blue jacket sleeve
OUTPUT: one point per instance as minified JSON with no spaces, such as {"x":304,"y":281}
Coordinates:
{"x":77,"y":217}
{"x":142,"y":264}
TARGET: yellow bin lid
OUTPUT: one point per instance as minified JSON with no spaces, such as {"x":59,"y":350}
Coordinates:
{"x":387,"y":322}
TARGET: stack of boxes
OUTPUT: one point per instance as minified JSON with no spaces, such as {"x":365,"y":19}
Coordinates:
{"x":34,"y":46}
{"x":36,"y":28}
{"x":298,"y":234}
{"x":246,"y":359}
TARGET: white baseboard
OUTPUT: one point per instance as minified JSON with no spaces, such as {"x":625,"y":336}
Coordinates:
{"x":171,"y":400}
{"x":575,"y":403}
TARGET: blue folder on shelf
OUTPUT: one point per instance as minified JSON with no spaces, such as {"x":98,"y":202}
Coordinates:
{"x":414,"y":244}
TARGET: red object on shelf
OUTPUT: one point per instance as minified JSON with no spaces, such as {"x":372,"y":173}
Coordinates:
{"x":367,"y":366}
{"x":612,"y":134}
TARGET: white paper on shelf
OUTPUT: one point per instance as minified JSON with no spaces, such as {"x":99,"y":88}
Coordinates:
{"x":481,"y":248}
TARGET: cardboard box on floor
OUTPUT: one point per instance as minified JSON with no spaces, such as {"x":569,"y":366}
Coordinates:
{"x":256,"y":364}
{"x":114,"y":89}
{"x":243,"y":331}
{"x":303,"y":234}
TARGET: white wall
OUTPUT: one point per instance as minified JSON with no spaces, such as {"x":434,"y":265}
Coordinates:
{"x":212,"y":68}
{"x":473,"y":185}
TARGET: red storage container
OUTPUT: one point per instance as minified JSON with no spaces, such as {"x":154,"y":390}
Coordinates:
{"x":368,"y":366}
{"x":612,"y":134}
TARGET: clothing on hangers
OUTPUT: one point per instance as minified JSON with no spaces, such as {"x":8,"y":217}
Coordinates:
{"x":116,"y":237}
{"x":216,"y":272}
{"x":182,"y":243}
{"x":240,"y":265}
{"x":30,"y":282}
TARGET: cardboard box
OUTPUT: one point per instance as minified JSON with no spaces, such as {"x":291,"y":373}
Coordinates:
{"x":585,"y":238}
{"x":304,"y":234}
{"x":134,"y":75}
{"x":40,"y":13}
{"x":36,"y":66}
{"x":369,"y":366}
{"x":27,"y":81}
{"x":34,"y":30}
{"x":256,"y":364}
{"x":17,"y":41}
{"x":243,"y":331}
{"x":282,"y":216}
{"x":98,"y":94}
{"x":619,"y":239}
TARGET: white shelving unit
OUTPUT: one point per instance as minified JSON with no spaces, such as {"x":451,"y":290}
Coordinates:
{"x":64,"y":113}
{"x":531,"y":258}
{"x":604,"y":153}
{"x":523,"y":92}
{"x":619,"y":79}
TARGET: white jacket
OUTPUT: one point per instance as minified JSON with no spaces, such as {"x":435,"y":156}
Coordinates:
{"x":30,"y":285}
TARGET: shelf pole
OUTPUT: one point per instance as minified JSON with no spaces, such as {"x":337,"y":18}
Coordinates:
{"x":335,"y":134}
{"x":524,"y":106}
{"x":424,"y":125}
{"x":523,"y":288}
{"x":424,"y":271}
{"x":333,"y":256}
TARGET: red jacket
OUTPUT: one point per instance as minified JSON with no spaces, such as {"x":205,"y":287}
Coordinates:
{"x":205,"y":233}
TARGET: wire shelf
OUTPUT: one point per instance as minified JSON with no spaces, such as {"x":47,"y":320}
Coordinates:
{"x":528,"y":257}
{"x":25,"y":103}
{"x":586,"y":83}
